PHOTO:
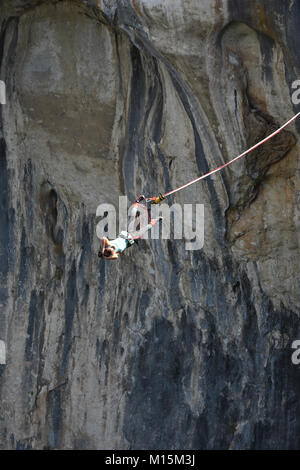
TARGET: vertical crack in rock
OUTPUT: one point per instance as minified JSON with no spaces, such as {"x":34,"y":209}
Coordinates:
{"x":70,"y":308}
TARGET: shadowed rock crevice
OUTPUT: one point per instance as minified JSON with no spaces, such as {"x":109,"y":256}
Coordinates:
{"x":257,"y":164}
{"x":50,"y":205}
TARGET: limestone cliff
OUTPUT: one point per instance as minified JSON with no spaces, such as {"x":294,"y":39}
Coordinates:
{"x":166,"y":348}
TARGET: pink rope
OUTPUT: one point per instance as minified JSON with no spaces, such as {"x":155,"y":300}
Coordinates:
{"x":234,"y":159}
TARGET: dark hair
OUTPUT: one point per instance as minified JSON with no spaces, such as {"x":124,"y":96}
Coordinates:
{"x":106,"y":254}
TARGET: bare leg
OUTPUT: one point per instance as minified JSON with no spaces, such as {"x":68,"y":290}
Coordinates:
{"x":137,"y":214}
{"x":143,"y":230}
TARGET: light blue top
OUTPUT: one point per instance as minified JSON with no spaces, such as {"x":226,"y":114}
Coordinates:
{"x":121,"y":242}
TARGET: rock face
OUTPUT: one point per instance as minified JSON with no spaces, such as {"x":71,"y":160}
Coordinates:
{"x":166,"y":348}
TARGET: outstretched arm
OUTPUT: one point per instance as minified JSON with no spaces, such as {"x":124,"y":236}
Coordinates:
{"x":105,"y":243}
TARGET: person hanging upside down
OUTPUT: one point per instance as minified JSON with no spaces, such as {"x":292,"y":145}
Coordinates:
{"x":111,"y":249}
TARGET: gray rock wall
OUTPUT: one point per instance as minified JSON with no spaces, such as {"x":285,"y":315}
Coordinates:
{"x":166,"y":348}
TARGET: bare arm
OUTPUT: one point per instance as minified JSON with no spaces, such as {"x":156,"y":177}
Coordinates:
{"x":114,"y":256}
{"x":105,"y":243}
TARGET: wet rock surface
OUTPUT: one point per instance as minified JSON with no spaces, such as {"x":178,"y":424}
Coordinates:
{"x":166,"y":348}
